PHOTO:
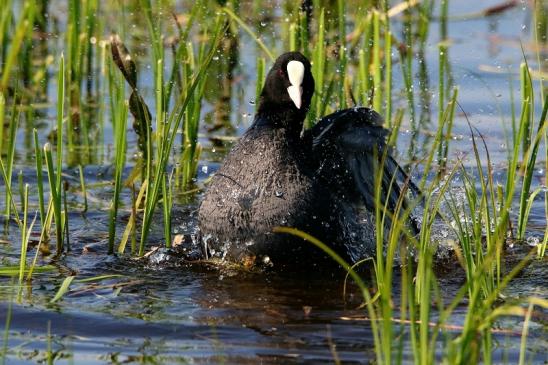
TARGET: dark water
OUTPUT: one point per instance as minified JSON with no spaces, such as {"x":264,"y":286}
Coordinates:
{"x":198,"y":313}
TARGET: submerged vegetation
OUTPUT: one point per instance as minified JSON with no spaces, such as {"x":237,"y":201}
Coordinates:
{"x":145,"y":88}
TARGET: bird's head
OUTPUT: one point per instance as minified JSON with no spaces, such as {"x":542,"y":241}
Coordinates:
{"x":289,"y":86}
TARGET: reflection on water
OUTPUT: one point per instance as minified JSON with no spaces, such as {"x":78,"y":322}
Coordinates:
{"x":180,"y":312}
{"x":200,"y":312}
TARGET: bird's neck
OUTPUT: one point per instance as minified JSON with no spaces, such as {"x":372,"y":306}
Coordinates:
{"x":289,"y":119}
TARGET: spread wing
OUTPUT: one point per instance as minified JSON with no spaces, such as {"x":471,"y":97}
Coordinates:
{"x":350,"y":151}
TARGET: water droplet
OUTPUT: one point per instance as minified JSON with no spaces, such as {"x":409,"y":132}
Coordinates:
{"x":533,"y":241}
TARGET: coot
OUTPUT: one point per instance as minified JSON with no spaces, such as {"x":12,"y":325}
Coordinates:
{"x":320,"y":181}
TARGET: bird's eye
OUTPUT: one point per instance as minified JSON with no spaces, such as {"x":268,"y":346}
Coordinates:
{"x":280,"y":73}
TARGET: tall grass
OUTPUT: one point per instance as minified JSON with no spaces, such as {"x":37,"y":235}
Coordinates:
{"x":23,"y":26}
{"x":2,"y":117}
{"x":120,"y":119}
{"x":55,"y":172}
{"x":7,"y":168}
{"x":156,"y":179}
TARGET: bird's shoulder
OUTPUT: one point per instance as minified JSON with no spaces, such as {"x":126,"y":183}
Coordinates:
{"x":353,"y":127}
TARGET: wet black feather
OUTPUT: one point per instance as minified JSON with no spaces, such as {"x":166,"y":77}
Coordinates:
{"x":321,"y":181}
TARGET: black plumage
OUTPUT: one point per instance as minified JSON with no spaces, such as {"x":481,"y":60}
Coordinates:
{"x":320,"y":181}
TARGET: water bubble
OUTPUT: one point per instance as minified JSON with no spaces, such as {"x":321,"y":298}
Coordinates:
{"x":533,"y":241}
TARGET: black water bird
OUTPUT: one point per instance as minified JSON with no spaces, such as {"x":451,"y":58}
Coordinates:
{"x":320,"y":181}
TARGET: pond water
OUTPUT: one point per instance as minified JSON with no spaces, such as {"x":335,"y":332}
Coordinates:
{"x":197,"y":313}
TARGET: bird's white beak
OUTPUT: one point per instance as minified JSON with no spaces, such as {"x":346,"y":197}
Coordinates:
{"x":295,"y":72}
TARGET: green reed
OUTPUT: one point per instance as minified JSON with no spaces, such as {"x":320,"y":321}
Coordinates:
{"x":342,"y":61}
{"x":2,"y":111}
{"x":156,"y":179}
{"x":39,"y":177}
{"x":447,"y":116}
{"x":261,"y":67}
{"x":25,"y":235}
{"x":21,"y":186}
{"x":303,"y":33}
{"x":23,"y":26}
{"x":55,"y":172}
{"x":119,"y":107}
{"x":388,"y":74}
{"x":55,"y":196}
{"x":481,"y":239}
{"x":83,"y":188}
{"x":529,"y":151}
{"x":119,"y":122}
{"x":6,"y":14}
{"x":191,"y":147}
{"x":251,"y":33}
{"x":318,"y":70}
{"x":376,"y":62}
{"x":80,"y":31}
{"x":7,"y":169}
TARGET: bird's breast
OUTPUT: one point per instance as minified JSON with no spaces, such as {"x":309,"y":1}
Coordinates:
{"x":261,"y":184}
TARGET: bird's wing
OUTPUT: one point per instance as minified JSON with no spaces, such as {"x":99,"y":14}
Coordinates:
{"x":349,"y":147}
